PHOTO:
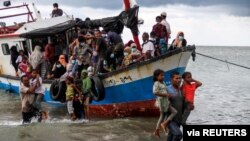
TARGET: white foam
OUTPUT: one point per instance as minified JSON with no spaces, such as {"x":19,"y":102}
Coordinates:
{"x":34,"y":120}
{"x":10,"y":123}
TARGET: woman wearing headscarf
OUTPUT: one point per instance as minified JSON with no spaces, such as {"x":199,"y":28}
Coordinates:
{"x":179,"y":41}
{"x":36,"y":58}
{"x":59,"y":68}
{"x":14,"y":54}
{"x":60,"y":71}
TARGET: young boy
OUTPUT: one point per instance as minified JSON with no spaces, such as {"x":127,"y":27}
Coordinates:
{"x":188,"y":90}
{"x":39,"y":94}
{"x":39,"y":91}
{"x":70,"y":97}
{"x":86,"y":87}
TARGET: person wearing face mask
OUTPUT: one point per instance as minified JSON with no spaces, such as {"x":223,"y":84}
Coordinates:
{"x":179,"y":41}
{"x":135,"y":53}
{"x":56,"y":11}
{"x":82,"y":53}
{"x":59,"y":68}
{"x":127,"y":60}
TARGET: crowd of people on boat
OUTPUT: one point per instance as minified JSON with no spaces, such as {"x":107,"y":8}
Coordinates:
{"x":96,"y":51}
{"x":92,"y":52}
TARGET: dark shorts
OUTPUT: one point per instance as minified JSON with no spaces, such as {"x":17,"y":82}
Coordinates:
{"x":78,"y":109}
{"x":28,"y":116}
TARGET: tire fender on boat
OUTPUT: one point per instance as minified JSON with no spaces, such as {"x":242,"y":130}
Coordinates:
{"x":56,"y":93}
{"x":98,"y":89}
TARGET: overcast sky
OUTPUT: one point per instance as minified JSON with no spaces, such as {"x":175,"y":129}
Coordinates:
{"x":204,"y":22}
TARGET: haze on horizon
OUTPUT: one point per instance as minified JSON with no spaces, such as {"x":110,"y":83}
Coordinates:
{"x":204,"y":22}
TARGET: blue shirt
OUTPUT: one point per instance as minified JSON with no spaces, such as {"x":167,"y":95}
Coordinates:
{"x":176,"y":102}
{"x":114,"y":38}
{"x":171,"y":90}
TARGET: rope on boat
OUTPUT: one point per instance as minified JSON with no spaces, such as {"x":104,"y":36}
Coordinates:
{"x":223,"y":61}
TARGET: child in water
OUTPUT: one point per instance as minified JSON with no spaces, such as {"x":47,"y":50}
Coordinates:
{"x":160,"y":91}
{"x":87,"y":92}
{"x":39,"y":91}
{"x":39,"y":94}
{"x":188,"y":90}
{"x":70,"y":94}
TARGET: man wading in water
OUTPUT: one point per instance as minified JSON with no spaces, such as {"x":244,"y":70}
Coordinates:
{"x":27,"y":94}
{"x":176,"y":100}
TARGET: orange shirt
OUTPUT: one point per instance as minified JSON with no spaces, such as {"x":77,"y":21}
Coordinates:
{"x":188,"y":91}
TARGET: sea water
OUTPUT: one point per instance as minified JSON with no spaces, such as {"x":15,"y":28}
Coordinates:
{"x":224,"y":98}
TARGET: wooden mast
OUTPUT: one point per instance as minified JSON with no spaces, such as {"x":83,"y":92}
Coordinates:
{"x":135,"y":36}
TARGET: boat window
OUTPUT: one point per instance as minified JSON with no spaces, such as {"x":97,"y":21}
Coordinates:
{"x":18,"y":47}
{"x":71,"y":35}
{"x":42,"y":42}
{"x":5,"y":49}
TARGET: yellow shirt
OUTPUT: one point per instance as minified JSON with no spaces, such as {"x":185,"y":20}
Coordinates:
{"x":69,"y":92}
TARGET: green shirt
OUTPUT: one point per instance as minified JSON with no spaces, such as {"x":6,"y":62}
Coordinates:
{"x":86,"y":85}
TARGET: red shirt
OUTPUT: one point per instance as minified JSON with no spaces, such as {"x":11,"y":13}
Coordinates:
{"x":189,"y":91}
{"x":23,"y":67}
{"x":49,"y":52}
{"x":159,"y":30}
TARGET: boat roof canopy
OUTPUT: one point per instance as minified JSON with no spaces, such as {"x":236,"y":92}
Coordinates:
{"x":50,"y":31}
{"x":116,"y":24}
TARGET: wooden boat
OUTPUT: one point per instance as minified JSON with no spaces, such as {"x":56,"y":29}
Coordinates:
{"x":127,"y":92}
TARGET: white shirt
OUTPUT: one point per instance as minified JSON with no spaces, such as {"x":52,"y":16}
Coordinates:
{"x":39,"y":90}
{"x":165,"y":23}
{"x":148,"y":46}
{"x":19,"y":59}
{"x":63,"y":77}
{"x":27,"y":99}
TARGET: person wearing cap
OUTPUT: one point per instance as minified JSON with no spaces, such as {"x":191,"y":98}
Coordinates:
{"x":87,"y":91}
{"x":56,"y":11}
{"x":165,"y":23}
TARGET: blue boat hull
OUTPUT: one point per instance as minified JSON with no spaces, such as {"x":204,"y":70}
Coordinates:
{"x":128,"y":91}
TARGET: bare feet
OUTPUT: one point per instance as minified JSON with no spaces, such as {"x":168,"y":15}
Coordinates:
{"x":44,"y":115}
{"x":157,"y":133}
{"x":73,"y":117}
{"x":164,"y":127}
{"x":17,"y":75}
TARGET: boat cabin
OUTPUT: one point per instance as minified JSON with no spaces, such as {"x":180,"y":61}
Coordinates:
{"x":41,"y":31}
